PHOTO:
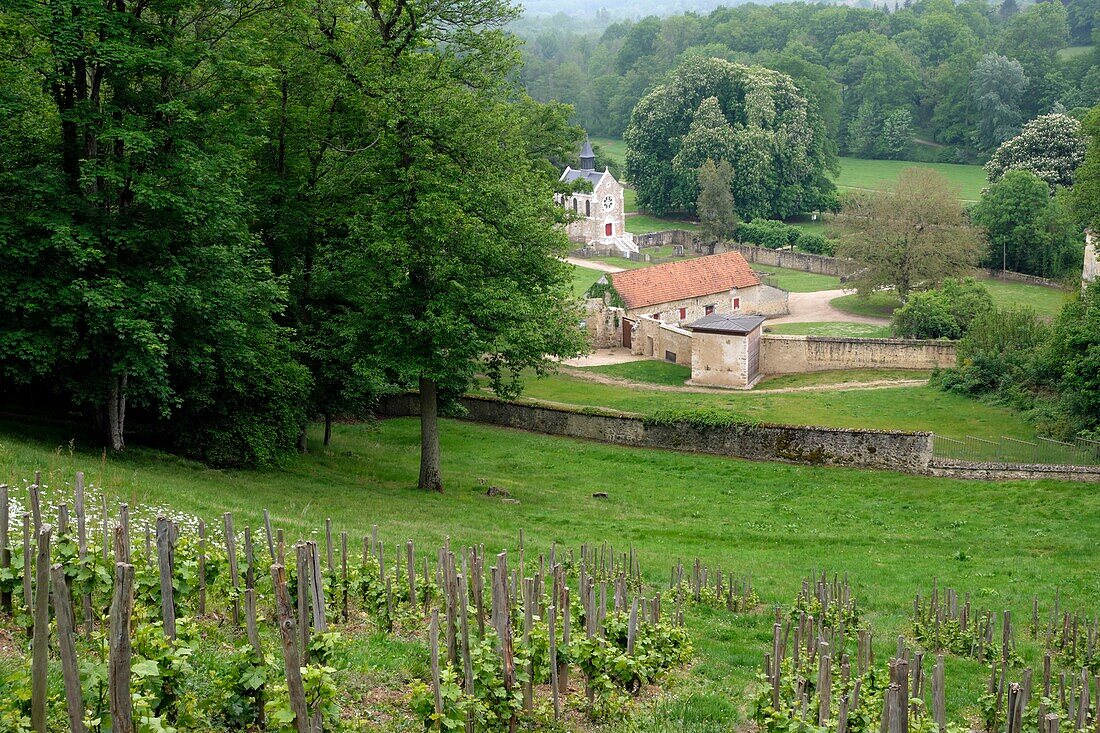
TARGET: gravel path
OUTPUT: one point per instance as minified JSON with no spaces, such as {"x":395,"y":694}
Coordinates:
{"x":815,"y":308}
{"x":593,"y":265}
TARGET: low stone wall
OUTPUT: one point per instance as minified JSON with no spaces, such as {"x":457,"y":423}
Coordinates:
{"x":1013,"y":471}
{"x":1020,"y":277}
{"x":819,"y":446}
{"x":604,"y":324}
{"x":798,"y":354}
{"x":662,"y":239}
{"x":820,"y":264}
{"x":656,"y":339}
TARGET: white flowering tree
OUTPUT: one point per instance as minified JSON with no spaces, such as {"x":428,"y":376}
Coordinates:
{"x":1051,"y":146}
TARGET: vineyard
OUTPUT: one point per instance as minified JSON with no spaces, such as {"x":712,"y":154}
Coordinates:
{"x":137,"y":618}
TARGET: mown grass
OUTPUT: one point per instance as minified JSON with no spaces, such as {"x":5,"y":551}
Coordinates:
{"x":583,"y":278}
{"x":1071,"y":52}
{"x":798,"y":281}
{"x":839,"y":376}
{"x":882,"y":175}
{"x":893,"y":408}
{"x":644,"y":223}
{"x":891,"y":533}
{"x":849,"y":330}
{"x":650,"y":371}
{"x":876,"y":305}
{"x":1047,"y":302}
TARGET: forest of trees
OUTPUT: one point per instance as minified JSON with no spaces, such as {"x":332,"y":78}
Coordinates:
{"x":222,"y":218}
{"x":929,"y":80}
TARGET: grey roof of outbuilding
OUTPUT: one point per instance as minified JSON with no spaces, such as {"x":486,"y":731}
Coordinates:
{"x":572,"y":175}
{"x":725,"y":323}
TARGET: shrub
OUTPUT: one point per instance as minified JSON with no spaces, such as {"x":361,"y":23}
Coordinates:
{"x":767,"y":233}
{"x":817,"y":244}
{"x":945,"y":312}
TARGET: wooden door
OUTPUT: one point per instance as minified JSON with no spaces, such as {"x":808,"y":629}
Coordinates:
{"x":627,"y":326}
{"x":607,"y":229}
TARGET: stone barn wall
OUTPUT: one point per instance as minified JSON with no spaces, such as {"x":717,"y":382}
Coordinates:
{"x":812,"y":445}
{"x":656,"y":339}
{"x":604,"y":324}
{"x":797,"y":354}
{"x":820,"y":264}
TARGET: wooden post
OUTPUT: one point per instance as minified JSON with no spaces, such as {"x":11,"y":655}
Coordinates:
{"x":320,"y":621}
{"x":202,"y":568}
{"x":270,"y":538}
{"x":409,"y":561}
{"x":433,"y":649}
{"x":63,"y":612}
{"x":118,"y":665}
{"x":284,"y":614}
{"x":164,"y":565}
{"x":344,"y":574}
{"x":81,"y":510}
{"x":249,"y":560}
{"x":5,"y":549}
{"x":28,"y":564}
{"x":777,"y":657}
{"x":554,"y":662}
{"x":304,"y":572}
{"x":939,"y":701}
{"x":124,"y":523}
{"x":35,"y":500}
{"x":467,"y":659}
{"x":40,"y":646}
{"x":234,"y":575}
{"x":254,"y":640}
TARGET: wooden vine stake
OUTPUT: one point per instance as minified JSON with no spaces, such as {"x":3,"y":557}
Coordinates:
{"x":164,"y":566}
{"x":234,"y":575}
{"x":40,"y":646}
{"x":433,"y":648}
{"x":554,"y":662}
{"x":63,"y":612}
{"x":304,"y":573}
{"x":5,"y":550}
{"x":254,"y":640}
{"x":119,"y":652}
{"x":284,"y":614}
{"x":82,"y":545}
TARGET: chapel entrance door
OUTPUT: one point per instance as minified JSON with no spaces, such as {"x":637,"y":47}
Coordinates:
{"x":607,"y":229}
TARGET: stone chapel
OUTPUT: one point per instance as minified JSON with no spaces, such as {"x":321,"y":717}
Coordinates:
{"x":600,"y":217}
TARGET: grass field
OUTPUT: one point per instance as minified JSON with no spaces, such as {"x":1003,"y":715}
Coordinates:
{"x":1070,"y":52}
{"x":613,"y":146}
{"x":644,"y":223}
{"x":880,"y":175}
{"x":844,"y":376}
{"x":894,"y":408}
{"x":798,"y":281}
{"x":583,"y":277}
{"x":647,"y":370}
{"x":891,"y":533}
{"x":1047,"y":302}
{"x":849,"y":330}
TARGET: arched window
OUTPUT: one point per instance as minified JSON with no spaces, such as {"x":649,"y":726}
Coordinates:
{"x":588,"y":207}
{"x":574,"y":204}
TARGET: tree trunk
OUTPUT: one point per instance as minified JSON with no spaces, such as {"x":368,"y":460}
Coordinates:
{"x":116,"y":413}
{"x":303,"y":444}
{"x":430,"y":478}
{"x":328,"y":428}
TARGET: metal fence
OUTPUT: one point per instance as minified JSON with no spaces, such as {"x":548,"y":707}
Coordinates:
{"x":1081,"y":452}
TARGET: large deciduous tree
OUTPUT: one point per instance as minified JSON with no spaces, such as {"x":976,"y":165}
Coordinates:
{"x":1085,"y":195}
{"x":717,"y":212}
{"x":451,"y":266}
{"x":131,"y":277}
{"x":998,"y":85}
{"x":1051,"y":146}
{"x":908,"y":239}
{"x":1028,"y":230}
{"x":752,"y":117}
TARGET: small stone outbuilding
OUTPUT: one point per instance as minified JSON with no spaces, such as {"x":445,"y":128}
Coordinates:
{"x":725,"y":350}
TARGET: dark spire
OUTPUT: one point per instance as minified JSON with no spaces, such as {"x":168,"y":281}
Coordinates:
{"x":588,"y":158}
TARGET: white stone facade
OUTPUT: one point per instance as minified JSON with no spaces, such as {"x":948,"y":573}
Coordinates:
{"x":600,"y":216}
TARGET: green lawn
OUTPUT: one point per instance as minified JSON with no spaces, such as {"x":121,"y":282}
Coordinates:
{"x":894,"y":408}
{"x":1070,"y":52}
{"x":849,"y":330}
{"x":798,"y":281}
{"x":613,"y":146}
{"x":840,"y":376}
{"x":644,"y":224}
{"x":583,"y":277}
{"x":630,"y":200}
{"x":647,"y":370}
{"x":877,"y":305}
{"x":1047,"y":302}
{"x":880,"y":175}
{"x":890,"y":533}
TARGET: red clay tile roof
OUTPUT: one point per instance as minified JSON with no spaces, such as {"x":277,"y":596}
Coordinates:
{"x":692,"y":278}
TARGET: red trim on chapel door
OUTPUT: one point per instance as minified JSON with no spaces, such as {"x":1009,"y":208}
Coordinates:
{"x":607,"y":229}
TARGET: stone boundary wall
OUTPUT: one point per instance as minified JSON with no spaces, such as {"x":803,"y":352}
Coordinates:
{"x":1013,"y":471}
{"x":661,"y":239}
{"x":1020,"y":277}
{"x":799,"y":354}
{"x":666,"y":337}
{"x":811,"y":445}
{"x":819,"y":264}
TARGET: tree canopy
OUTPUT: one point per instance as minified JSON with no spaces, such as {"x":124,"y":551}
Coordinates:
{"x":1050,"y":146}
{"x":753,"y":118}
